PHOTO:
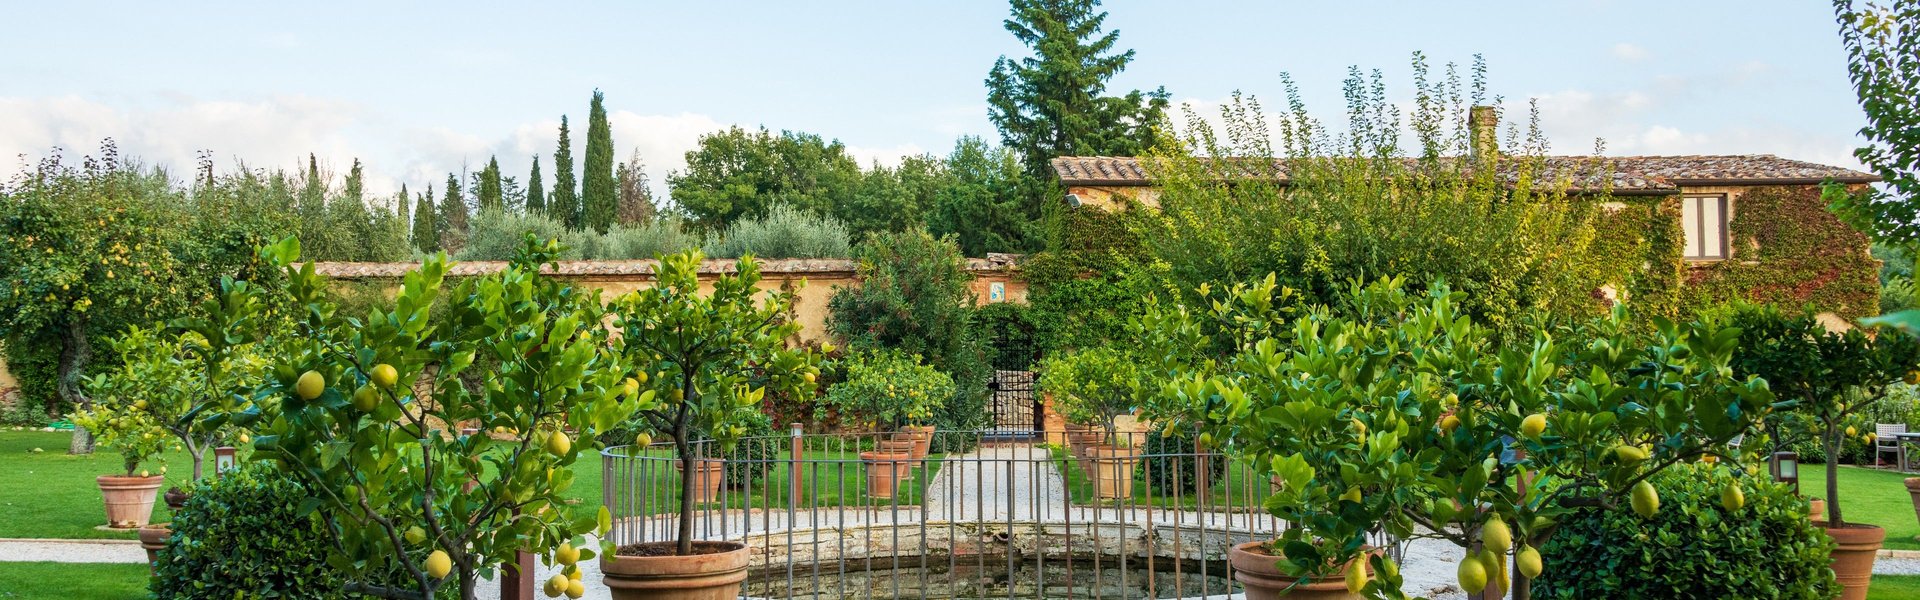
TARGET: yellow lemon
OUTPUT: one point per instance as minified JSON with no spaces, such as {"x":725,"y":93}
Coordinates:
{"x":1529,"y":560}
{"x":566,"y":554}
{"x":1449,"y":423}
{"x":643,"y":440}
{"x":555,"y":586}
{"x":559,"y":443}
{"x":384,"y":375}
{"x":1356,"y":576}
{"x":438,"y":564}
{"x":1851,"y":431}
{"x":575,"y":589}
{"x":632,"y":386}
{"x":1473,"y":575}
{"x":810,"y":377}
{"x":1628,"y":454}
{"x":1732,"y":497}
{"x":640,"y":377}
{"x":1645,"y":500}
{"x":1495,"y":535}
{"x":310,"y":385}
{"x":1534,"y":425}
{"x":366,"y":399}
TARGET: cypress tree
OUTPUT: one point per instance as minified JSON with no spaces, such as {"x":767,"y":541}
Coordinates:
{"x":597,"y":193}
{"x":404,"y":205}
{"x":489,"y":194}
{"x":453,"y":215}
{"x":562,"y":204}
{"x":426,"y":224}
{"x":536,"y":191}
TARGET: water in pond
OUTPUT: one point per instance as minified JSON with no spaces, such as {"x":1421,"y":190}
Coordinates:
{"x":1026,"y":579}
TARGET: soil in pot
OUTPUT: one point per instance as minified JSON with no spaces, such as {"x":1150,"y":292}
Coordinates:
{"x":652,"y":571}
{"x":1259,"y":572}
{"x":129,"y":500}
{"x":707,"y":477}
{"x":1853,"y":557}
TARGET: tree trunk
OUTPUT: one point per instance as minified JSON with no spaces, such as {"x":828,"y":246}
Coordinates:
{"x":75,"y":353}
{"x":1833,"y":478}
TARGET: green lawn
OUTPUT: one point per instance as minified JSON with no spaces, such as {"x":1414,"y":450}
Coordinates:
{"x":837,"y":478}
{"x":1235,"y":489}
{"x":1870,"y":496}
{"x":1891,"y":587}
{"x":56,"y":581}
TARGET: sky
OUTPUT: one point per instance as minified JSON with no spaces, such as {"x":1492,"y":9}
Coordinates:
{"x":415,"y":90}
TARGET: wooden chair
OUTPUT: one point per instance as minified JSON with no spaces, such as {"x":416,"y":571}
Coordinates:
{"x":1884,"y":442}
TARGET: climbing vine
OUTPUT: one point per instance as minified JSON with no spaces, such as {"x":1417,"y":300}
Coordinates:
{"x":1788,"y":250}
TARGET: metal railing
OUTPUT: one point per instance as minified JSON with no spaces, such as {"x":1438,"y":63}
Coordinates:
{"x":946,"y":516}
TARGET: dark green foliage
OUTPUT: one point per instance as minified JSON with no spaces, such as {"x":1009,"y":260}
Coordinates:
{"x":487,"y":192}
{"x":1009,"y":335}
{"x":564,"y":203}
{"x":981,"y":200}
{"x":1091,"y":282}
{"x":1052,"y":103}
{"x":453,"y":216}
{"x":536,"y":190}
{"x":915,"y":296}
{"x":1692,"y":547}
{"x":426,"y":223}
{"x":1883,"y":61}
{"x":598,"y":195}
{"x":736,"y":174}
{"x":1172,"y":460}
{"x":243,"y":535}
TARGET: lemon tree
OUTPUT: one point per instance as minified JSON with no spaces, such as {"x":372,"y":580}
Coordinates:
{"x":887,"y":388}
{"x":1394,"y":412}
{"x":437,"y":448}
{"x":704,"y":361}
{"x":1094,"y":385}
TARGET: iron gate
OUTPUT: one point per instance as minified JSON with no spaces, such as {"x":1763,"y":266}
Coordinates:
{"x":1012,"y":400}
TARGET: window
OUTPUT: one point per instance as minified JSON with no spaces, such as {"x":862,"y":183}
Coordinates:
{"x":1705,"y":220}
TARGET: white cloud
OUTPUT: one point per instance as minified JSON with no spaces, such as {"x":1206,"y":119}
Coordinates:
{"x":1630,"y":52}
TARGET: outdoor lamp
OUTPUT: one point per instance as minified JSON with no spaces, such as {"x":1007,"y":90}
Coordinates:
{"x":222,"y":459}
{"x":1786,"y":469}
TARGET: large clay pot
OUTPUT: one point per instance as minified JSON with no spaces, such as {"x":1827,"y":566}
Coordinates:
{"x":708,"y":474}
{"x":129,"y":499}
{"x":1113,"y":470}
{"x":922,"y":437}
{"x":1259,"y":572}
{"x":714,"y":572}
{"x":153,"y":539}
{"x":1913,"y":490}
{"x":1080,"y":445}
{"x":1817,"y":510}
{"x":886,"y":467}
{"x":1853,"y":558}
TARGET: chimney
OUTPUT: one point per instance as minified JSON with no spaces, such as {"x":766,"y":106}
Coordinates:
{"x":1483,"y":124}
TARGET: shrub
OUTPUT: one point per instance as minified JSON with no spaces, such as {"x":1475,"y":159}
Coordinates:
{"x":649,"y":240}
{"x":1693,"y":547}
{"x":496,"y":235}
{"x":785,"y":232}
{"x":916,"y":296}
{"x":1171,"y":461}
{"x":1096,"y":386}
{"x":242,"y":536}
{"x":887,"y":389}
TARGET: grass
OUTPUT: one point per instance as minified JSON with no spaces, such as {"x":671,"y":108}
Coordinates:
{"x":1894,"y":587}
{"x":1233,"y":490}
{"x":52,"y":581}
{"x":839,"y":478}
{"x":1870,"y":496}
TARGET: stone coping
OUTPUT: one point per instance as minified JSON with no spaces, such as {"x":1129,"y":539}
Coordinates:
{"x":640,"y":268}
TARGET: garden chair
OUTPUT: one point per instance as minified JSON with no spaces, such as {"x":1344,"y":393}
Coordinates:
{"x":1885,"y":442}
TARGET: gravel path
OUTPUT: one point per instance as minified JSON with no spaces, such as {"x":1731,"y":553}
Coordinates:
{"x":72,"y":551}
{"x":993,"y":481}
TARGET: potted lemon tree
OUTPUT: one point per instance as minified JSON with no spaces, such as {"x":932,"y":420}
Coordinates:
{"x":1096,"y":387}
{"x":126,"y":426}
{"x":713,"y":356}
{"x":888,"y":390}
{"x":434,"y":448}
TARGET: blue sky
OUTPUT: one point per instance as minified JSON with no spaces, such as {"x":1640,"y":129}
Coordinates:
{"x":415,"y":90}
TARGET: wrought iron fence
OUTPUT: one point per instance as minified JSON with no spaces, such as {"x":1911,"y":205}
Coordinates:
{"x":954,"y":514}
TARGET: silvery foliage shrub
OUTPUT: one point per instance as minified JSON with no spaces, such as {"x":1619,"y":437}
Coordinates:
{"x":785,"y":232}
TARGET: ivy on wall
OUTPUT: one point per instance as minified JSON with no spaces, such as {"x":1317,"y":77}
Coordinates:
{"x":1637,"y":245}
{"x":1092,"y":279}
{"x":1788,"y":250}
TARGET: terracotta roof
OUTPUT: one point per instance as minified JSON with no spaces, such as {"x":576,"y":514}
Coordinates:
{"x":1630,"y":174}
{"x":588,"y":269}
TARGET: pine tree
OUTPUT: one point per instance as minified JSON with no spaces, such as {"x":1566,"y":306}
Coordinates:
{"x":1051,"y":104}
{"x":453,"y":216}
{"x":597,"y":194}
{"x":563,"y":205}
{"x":489,"y":194}
{"x":426,"y":223}
{"x":536,"y":191}
{"x":636,"y":200}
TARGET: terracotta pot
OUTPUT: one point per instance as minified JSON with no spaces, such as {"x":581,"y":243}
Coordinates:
{"x":711,"y":576}
{"x":1853,"y":558}
{"x":885,"y":469}
{"x":1913,"y":490}
{"x":1113,"y":470}
{"x":1080,"y":444}
{"x":129,"y":499}
{"x":922,"y":437}
{"x":176,"y":498}
{"x":708,"y":474}
{"x":1259,"y":572}
{"x":153,"y":539}
{"x":1817,"y":510}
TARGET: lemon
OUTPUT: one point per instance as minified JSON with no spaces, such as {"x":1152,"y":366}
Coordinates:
{"x":1645,"y":500}
{"x":438,"y":564}
{"x":1534,"y":425}
{"x":632,"y":386}
{"x":1851,"y":431}
{"x":559,"y":443}
{"x":244,"y":438}
{"x":1449,"y":423}
{"x":1360,"y":426}
{"x":144,"y":473}
{"x":640,"y":377}
{"x":810,"y":377}
{"x":1913,"y":378}
{"x":643,"y":440}
{"x":1356,"y":576}
{"x":1495,"y":535}
{"x":384,"y":375}
{"x":310,"y":385}
{"x":1628,"y":454}
{"x":566,"y":554}
{"x":1529,"y":560}
{"x":555,"y":586}
{"x":366,"y":399}
{"x":1496,"y":568}
{"x":139,"y":405}
{"x":575,"y":589}
{"x":1473,"y":575}
{"x":1733,"y":498}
